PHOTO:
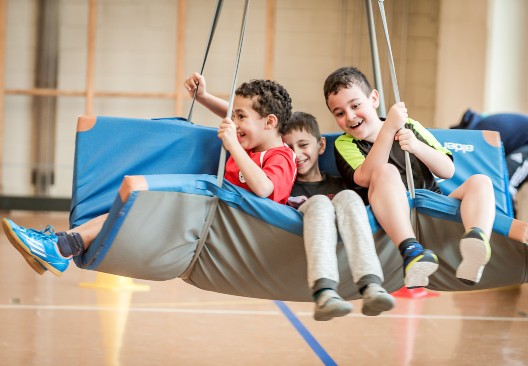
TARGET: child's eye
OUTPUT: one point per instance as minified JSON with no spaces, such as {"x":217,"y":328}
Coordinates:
{"x":339,"y":114}
{"x":303,"y":145}
{"x":355,"y":106}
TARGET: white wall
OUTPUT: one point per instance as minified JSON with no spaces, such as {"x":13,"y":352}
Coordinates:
{"x":462,"y":52}
{"x":506,"y":88}
{"x":482,"y":58}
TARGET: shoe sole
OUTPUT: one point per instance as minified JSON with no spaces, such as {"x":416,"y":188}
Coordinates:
{"x":378,"y":304}
{"x":418,"y":274}
{"x":33,"y":263}
{"x":32,"y":260}
{"x":476,"y":254}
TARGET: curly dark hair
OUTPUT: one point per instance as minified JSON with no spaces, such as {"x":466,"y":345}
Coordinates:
{"x":346,"y":77}
{"x":302,"y":121}
{"x":272,"y":98}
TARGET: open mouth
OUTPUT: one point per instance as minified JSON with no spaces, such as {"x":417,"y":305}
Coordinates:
{"x":356,"y":125}
{"x":301,"y":162}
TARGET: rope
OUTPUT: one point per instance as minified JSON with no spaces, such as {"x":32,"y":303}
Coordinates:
{"x":375,"y":58}
{"x":216,"y":16}
{"x":221,"y":164}
{"x":408,"y":167}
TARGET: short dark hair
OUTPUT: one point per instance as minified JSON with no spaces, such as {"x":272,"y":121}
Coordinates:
{"x":300,"y":121}
{"x":346,"y":77}
{"x":272,"y":98}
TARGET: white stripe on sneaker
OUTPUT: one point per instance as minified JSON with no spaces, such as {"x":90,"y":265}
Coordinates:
{"x":36,"y":246}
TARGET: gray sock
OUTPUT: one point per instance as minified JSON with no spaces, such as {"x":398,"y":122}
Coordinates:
{"x":70,"y":244}
{"x":323,"y":284}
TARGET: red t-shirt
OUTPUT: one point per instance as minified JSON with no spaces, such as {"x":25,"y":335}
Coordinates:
{"x":279,"y":165}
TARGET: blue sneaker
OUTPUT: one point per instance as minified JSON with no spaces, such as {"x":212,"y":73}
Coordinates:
{"x":37,"y":247}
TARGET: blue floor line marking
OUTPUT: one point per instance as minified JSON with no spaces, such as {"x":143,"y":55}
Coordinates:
{"x":308,"y":337}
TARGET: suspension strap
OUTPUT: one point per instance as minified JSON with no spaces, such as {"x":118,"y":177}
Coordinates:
{"x":221,"y":164}
{"x":378,"y":84}
{"x":216,"y":16}
{"x":408,"y":167}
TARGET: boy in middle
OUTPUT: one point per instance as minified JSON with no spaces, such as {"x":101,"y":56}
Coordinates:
{"x":327,"y":206}
{"x":370,"y":157}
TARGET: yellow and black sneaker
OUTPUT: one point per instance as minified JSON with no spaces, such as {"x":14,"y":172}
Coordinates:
{"x":418,"y":265}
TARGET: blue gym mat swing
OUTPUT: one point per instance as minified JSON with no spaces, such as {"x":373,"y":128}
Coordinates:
{"x":170,"y":216}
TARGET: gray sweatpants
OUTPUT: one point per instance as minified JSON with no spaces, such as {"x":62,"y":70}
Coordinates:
{"x":320,"y":237}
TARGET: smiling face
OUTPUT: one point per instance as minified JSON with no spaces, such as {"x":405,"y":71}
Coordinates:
{"x":307,"y":149}
{"x":251,"y":126}
{"x":355,"y":112}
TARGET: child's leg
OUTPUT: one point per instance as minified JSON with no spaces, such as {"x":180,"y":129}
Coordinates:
{"x":43,"y":250}
{"x":477,"y":206}
{"x":388,"y":199}
{"x":89,"y":230}
{"x":477,"y":209}
{"x":320,"y":240}
{"x":355,"y":230}
{"x":356,"y":233}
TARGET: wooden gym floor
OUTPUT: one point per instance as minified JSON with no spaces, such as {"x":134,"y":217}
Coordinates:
{"x":45,"y":320}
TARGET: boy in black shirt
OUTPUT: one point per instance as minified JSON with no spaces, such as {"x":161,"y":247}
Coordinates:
{"x":325,"y":201}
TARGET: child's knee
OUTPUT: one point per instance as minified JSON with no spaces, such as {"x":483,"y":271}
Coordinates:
{"x":318,"y":202}
{"x":480,"y":182}
{"x":347,"y":197}
{"x":386,"y":173}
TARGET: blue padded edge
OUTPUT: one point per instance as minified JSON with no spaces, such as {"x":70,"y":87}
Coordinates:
{"x":262,"y":208}
{"x":447,"y":208}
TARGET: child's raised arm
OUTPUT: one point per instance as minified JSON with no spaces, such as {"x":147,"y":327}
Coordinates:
{"x":255,"y":177}
{"x":438,"y":163}
{"x":216,"y":105}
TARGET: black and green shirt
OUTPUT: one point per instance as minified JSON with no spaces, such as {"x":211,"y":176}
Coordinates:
{"x":350,"y":153}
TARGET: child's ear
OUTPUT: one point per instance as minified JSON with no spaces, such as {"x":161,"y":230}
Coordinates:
{"x":271,"y":122}
{"x":322,"y":145}
{"x":374,"y":97}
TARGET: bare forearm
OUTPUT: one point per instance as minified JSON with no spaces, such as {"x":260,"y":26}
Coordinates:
{"x":215,"y":104}
{"x":438,"y":163}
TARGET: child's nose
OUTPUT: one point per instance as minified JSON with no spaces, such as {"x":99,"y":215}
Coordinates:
{"x":351,"y":115}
